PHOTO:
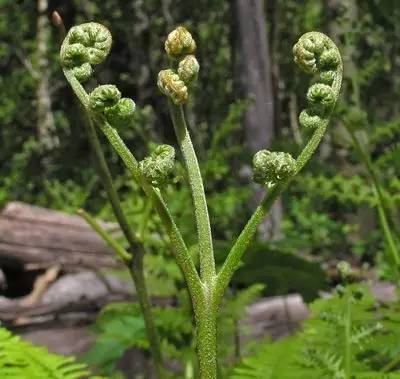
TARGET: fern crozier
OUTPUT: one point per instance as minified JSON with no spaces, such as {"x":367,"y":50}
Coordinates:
{"x":188,"y":69}
{"x":272,"y":167}
{"x":120,"y":113}
{"x":85,"y":45}
{"x":158,"y":167}
{"x":104,"y":96}
{"x":179,"y":43}
{"x":173,"y":86}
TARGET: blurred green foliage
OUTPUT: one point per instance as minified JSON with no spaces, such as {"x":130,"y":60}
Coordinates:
{"x":348,"y":336}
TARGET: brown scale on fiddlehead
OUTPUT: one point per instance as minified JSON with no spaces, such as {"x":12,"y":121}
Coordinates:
{"x":180,"y":46}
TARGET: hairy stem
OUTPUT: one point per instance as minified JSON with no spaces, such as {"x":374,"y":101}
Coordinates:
{"x":207,"y":264}
{"x":138,"y":279}
{"x":182,"y":255}
{"x":105,"y":175}
{"x":232,"y":262}
{"x":206,"y":340}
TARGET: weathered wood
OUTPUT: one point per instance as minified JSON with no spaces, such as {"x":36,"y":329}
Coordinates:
{"x":30,"y":234}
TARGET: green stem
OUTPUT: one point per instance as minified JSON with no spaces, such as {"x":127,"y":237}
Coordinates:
{"x":106,"y":178}
{"x":105,"y":175}
{"x":115,"y":245}
{"x":206,"y":335}
{"x":137,"y":272}
{"x":347,"y":336}
{"x":182,"y":255}
{"x":232,"y":262}
{"x":380,"y":203}
{"x":207,"y":264}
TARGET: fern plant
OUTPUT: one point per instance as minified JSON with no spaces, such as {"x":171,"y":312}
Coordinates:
{"x":348,"y":336}
{"x":89,"y":44}
{"x":19,"y":359}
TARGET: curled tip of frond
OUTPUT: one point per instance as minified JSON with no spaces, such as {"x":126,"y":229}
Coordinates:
{"x":104,"y":96}
{"x":179,"y":43}
{"x":316,"y":53}
{"x":188,"y":69}
{"x":83,"y":72}
{"x":270,"y":167}
{"x":158,"y":167}
{"x":121,"y":113}
{"x":309,"y":120}
{"x":173,"y":86}
{"x":87,"y":44}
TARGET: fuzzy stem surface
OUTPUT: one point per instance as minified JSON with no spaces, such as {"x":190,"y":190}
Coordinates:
{"x":207,"y":264}
{"x":206,"y":339}
{"x":137,"y":277}
{"x":182,"y":255}
{"x":233,"y":260}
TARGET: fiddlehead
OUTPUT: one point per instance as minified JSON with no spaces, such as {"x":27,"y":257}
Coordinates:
{"x":272,"y":167}
{"x":179,"y":45}
{"x":85,"y":45}
{"x":188,"y":69}
{"x":106,"y":99}
{"x":173,"y":86}
{"x":315,"y":53}
{"x":103,"y":97}
{"x":158,"y":167}
{"x":121,"y":113}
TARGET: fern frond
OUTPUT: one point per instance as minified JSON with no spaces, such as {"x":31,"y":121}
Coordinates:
{"x":362,"y":335}
{"x":317,"y":352}
{"x":19,"y":359}
{"x":328,"y":363}
{"x":354,"y":190}
{"x":273,"y":361}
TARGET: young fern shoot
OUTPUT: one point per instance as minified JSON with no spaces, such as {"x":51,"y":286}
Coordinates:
{"x":314,"y":53}
{"x":86,"y":45}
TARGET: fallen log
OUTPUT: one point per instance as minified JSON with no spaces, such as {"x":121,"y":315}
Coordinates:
{"x":31,"y":235}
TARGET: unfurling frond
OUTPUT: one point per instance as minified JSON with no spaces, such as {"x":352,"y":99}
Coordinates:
{"x":158,"y":167}
{"x":179,"y":43}
{"x":173,"y":86}
{"x":85,"y":45}
{"x":272,"y":167}
{"x":315,"y":53}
